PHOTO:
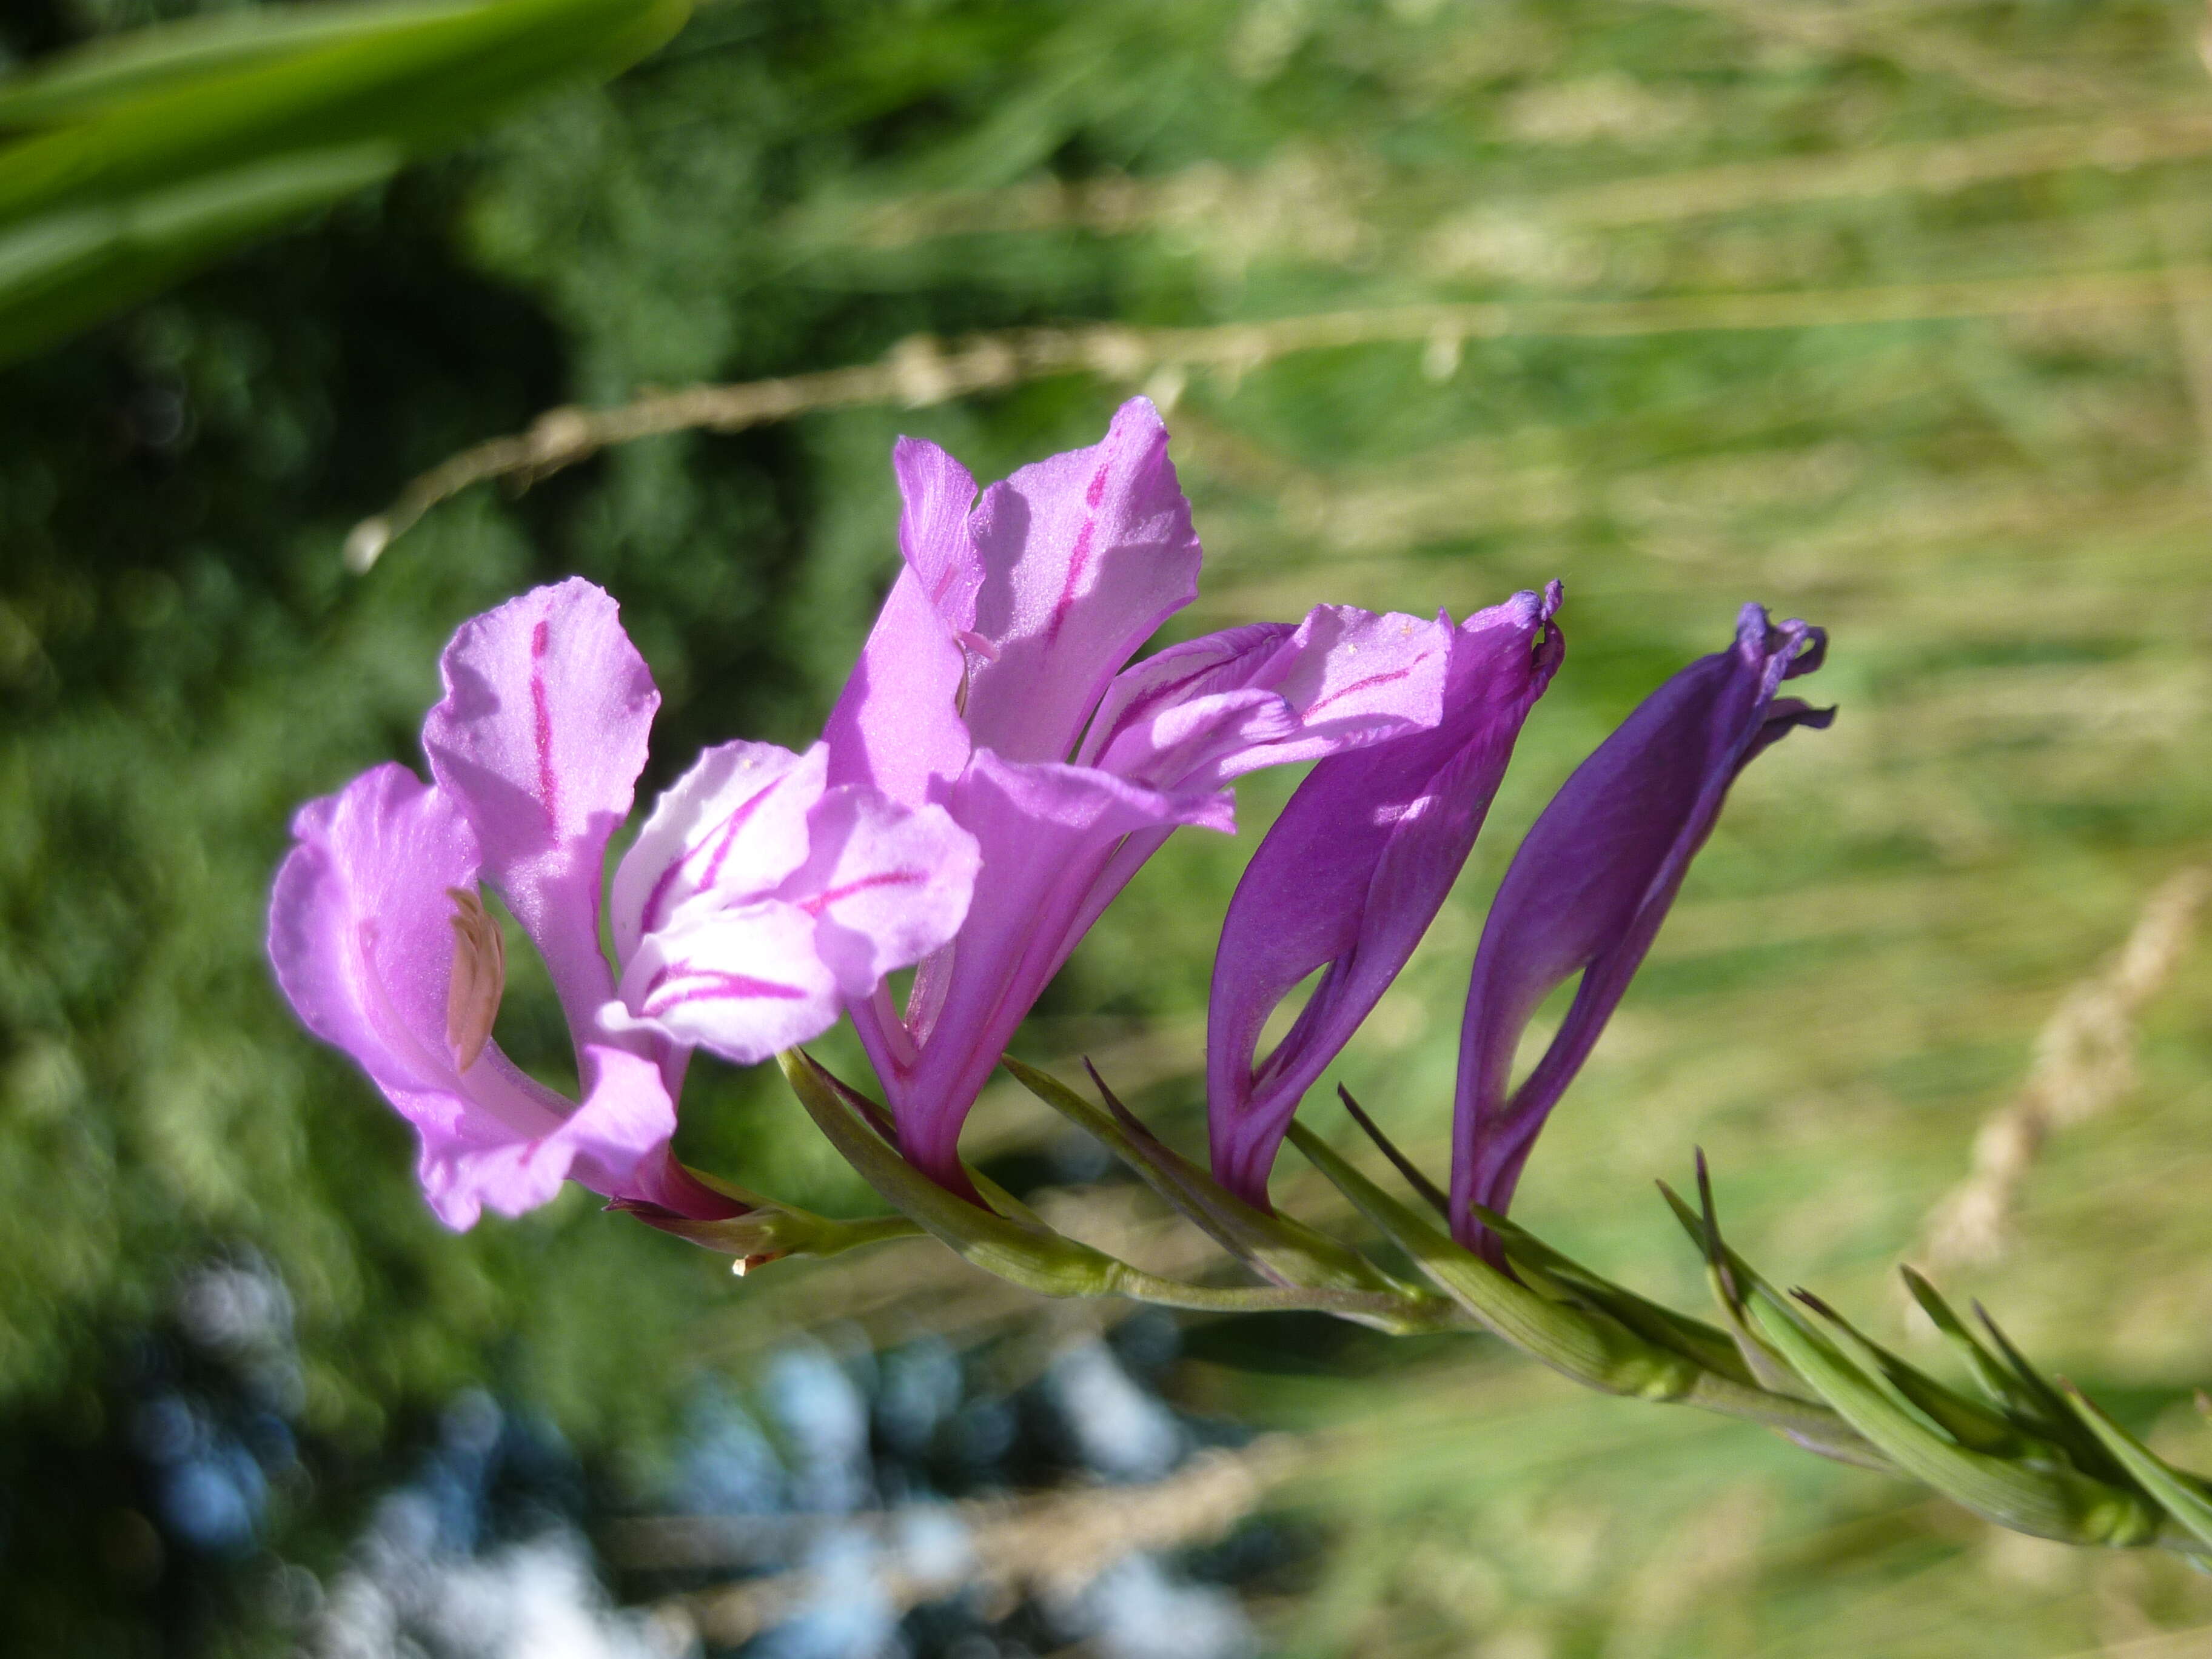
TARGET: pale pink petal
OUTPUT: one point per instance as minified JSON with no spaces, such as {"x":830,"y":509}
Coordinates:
{"x":359,"y":928}
{"x":539,"y":740}
{"x":1088,"y":553}
{"x":886,"y":886}
{"x":361,"y":938}
{"x":729,"y":829}
{"x":743,"y":983}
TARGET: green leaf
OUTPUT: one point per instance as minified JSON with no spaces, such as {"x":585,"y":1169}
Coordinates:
{"x":72,"y":85}
{"x":60,"y":271}
{"x":2016,"y":1387}
{"x":2049,"y":1502}
{"x":1586,"y":1344}
{"x":1691,"y":1338}
{"x":149,"y":157}
{"x":1727,"y":1275}
{"x":2185,"y":1498}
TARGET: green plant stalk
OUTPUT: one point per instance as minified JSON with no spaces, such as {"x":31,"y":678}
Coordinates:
{"x":2049,"y":1502}
{"x":1020,"y":1249}
{"x":1284,"y":1251}
{"x":1589,"y":1346}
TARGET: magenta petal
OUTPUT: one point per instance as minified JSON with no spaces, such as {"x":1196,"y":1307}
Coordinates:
{"x":1198,"y":715}
{"x":539,"y":741}
{"x":1351,"y":876}
{"x":1591,"y":884}
{"x":934,"y":539}
{"x":884,"y":885}
{"x":1044,"y":833}
{"x":731,"y":828}
{"x":1088,"y":552}
{"x":897,"y":724}
{"x":359,"y":928}
{"x":361,"y":936}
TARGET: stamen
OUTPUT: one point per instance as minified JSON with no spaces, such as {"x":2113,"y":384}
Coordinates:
{"x":479,"y":977}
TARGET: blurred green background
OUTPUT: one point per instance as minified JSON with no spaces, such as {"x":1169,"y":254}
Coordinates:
{"x":1995,"y":497}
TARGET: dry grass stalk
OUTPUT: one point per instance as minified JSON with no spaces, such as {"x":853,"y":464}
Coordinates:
{"x":1895,"y":34}
{"x":1940,"y":168}
{"x":1048,"y":1545}
{"x":919,"y":371}
{"x":2084,"y":1064}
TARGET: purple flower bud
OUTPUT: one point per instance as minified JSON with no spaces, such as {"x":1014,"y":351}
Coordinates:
{"x":1352,"y":873}
{"x":1588,"y":888}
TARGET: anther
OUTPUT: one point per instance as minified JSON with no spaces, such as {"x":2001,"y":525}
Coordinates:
{"x":479,"y":977}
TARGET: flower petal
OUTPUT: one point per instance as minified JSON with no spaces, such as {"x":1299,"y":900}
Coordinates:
{"x":539,"y":741}
{"x":1087,"y":553}
{"x":1351,"y":876}
{"x":885,"y":885}
{"x":743,"y":981}
{"x":1198,"y":715}
{"x":1044,"y":833}
{"x":728,"y":830}
{"x":358,"y":923}
{"x":897,"y":724}
{"x":1591,"y":884}
{"x":361,"y":935}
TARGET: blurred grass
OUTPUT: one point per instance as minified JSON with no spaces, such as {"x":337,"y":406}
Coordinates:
{"x":2001,"y":520}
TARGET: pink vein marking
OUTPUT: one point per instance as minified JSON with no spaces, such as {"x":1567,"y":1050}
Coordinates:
{"x":708,"y":985}
{"x":829,"y":895}
{"x":1342,"y":692}
{"x":1079,"y":559}
{"x":541,"y":709}
{"x":1171,"y":693}
{"x":649,"y":918}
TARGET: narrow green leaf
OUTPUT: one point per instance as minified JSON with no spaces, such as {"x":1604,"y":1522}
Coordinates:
{"x":2016,"y":1388}
{"x":2049,"y":1502}
{"x":1016,"y":1247}
{"x":1589,"y":1346}
{"x":149,"y":161}
{"x":1727,"y":1275}
{"x":1282,"y":1250}
{"x":1990,"y":1372}
{"x":1691,"y":1338}
{"x":1971,"y":1425}
{"x":117,"y":68}
{"x":62,"y":270}
{"x":2185,"y":1498}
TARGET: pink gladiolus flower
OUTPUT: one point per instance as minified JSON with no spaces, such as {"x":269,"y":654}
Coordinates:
{"x":996,"y":684}
{"x":1350,"y":877}
{"x":1587,"y":889}
{"x":757,"y":903}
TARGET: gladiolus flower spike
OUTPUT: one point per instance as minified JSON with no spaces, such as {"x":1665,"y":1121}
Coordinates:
{"x":995,"y":771}
{"x":1351,"y":875}
{"x":1587,"y":889}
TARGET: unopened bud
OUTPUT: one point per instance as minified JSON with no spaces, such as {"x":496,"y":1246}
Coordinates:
{"x":479,"y":977}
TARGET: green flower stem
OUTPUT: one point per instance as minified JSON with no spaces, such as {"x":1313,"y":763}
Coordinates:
{"x":1020,"y":1249}
{"x":2183,"y":1496}
{"x":2048,"y":1502}
{"x":1285,"y":1251}
{"x":1589,"y":1347}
